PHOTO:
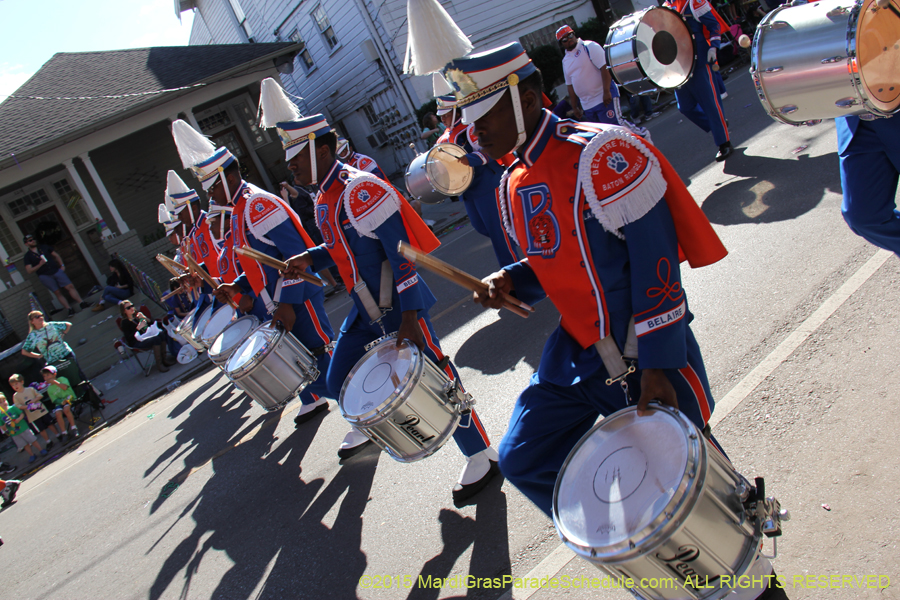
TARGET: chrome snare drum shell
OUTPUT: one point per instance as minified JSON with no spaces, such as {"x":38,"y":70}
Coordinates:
{"x":200,"y":321}
{"x":437,"y":174}
{"x":272,"y":366}
{"x":230,"y":339}
{"x":649,"y":497}
{"x":185,"y":330}
{"x":400,"y":400}
{"x":649,"y":50}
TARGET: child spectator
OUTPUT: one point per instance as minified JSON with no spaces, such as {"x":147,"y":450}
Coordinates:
{"x":29,"y":401}
{"x":14,"y":426}
{"x":61,"y":393}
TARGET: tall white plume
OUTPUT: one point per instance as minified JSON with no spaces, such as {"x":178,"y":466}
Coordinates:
{"x":434,"y":38}
{"x":174,"y":184}
{"x":163,"y":214}
{"x":275,"y":105}
{"x":193,"y":146}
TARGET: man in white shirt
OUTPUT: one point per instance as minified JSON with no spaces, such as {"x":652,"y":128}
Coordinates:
{"x":591,"y":92}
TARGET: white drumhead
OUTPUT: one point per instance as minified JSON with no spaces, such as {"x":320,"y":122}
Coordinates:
{"x":217,"y":323}
{"x":620,"y":477}
{"x":376,"y":377}
{"x":232,"y":336}
{"x":664,"y":47}
{"x":256,"y":341}
{"x":201,"y":321}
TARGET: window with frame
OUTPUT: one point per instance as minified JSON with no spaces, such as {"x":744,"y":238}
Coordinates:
{"x":73,"y":201}
{"x":325,"y":27}
{"x":242,"y":19}
{"x":370,"y":114}
{"x":305,"y":56}
{"x":22,"y":205}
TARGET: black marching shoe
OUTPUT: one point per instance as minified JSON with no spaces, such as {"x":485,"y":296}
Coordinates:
{"x":478,"y":472}
{"x":725,"y":151}
{"x":308,"y":411}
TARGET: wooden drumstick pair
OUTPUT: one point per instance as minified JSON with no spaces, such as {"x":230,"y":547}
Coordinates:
{"x":180,"y":290}
{"x":207,"y":279}
{"x":172,"y":266}
{"x":265,"y":259}
{"x":461,"y":278}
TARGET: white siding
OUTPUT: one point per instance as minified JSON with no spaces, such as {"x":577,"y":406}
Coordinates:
{"x":221,"y":26}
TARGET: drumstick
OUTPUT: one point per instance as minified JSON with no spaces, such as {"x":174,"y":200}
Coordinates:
{"x":165,"y":297}
{"x":265,"y":259}
{"x":170,"y":265}
{"x":460,"y":277}
{"x":205,"y":277}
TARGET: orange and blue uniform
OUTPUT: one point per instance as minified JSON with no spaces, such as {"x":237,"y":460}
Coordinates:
{"x":480,"y":197}
{"x":367,"y":164}
{"x":266,"y":223}
{"x":362,"y":219}
{"x":599,"y":242}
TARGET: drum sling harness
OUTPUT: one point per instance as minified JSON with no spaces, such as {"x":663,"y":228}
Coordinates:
{"x":385,"y":295}
{"x":615,"y":360}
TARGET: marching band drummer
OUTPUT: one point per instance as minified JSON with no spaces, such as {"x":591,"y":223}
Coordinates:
{"x":265,"y":223}
{"x":698,"y":99}
{"x":602,"y":239}
{"x":348,"y":156}
{"x":362,"y":218}
{"x":480,"y":198}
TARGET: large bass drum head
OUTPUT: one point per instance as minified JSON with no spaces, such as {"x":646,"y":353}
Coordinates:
{"x":664,"y":48}
{"x":619,"y":479}
{"x":878,"y":55}
{"x":378,"y":378}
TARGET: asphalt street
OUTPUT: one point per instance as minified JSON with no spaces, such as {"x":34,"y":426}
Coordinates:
{"x":201,"y":494}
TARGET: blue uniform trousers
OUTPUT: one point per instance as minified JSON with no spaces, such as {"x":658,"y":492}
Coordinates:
{"x":870,"y":166}
{"x":469,"y":435}
{"x":548,"y":420}
{"x":699,"y":102}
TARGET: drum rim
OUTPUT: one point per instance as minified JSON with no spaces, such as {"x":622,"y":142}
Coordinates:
{"x":668,"y":520}
{"x":197,"y":323}
{"x":637,"y":21}
{"x":186,"y":327}
{"x":376,"y":414}
{"x":229,"y":351}
{"x":206,"y":339}
{"x":254,"y":361}
{"x":441,"y":192}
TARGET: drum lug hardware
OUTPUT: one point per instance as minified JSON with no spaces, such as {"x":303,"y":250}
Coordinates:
{"x":776,"y":25}
{"x":742,"y":489}
{"x":846,"y":103}
{"x":773,"y":70}
{"x":668,"y":516}
{"x":693,"y":436}
{"x":631,"y":544}
{"x":692,"y":473}
{"x":833,"y":59}
{"x":786,"y":110}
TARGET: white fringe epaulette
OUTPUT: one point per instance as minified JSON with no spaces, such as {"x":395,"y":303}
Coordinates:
{"x":505,"y":211}
{"x":269,"y":222}
{"x":630,"y":203}
{"x":387,"y":204}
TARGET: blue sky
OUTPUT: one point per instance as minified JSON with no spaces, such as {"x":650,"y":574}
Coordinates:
{"x":35,"y":30}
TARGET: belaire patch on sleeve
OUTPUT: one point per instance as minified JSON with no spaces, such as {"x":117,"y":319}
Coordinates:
{"x":263,"y":214}
{"x":621,"y":178}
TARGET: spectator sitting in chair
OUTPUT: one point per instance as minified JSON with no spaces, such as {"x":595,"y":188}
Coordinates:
{"x":50,"y":269}
{"x":135,"y":327}
{"x":62,"y":394}
{"x":119,"y":285}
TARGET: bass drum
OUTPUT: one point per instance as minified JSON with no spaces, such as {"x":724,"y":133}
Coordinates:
{"x":438,"y":174}
{"x":649,"y":50}
{"x":827,"y":59}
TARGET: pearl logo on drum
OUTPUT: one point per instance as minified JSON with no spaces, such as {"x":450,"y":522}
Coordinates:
{"x":409,"y":425}
{"x":680,"y":563}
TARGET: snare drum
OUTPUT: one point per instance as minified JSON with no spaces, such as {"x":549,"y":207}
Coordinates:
{"x":650,"y":49}
{"x":650,"y":497}
{"x":272,"y":366}
{"x":437,"y":174}
{"x":200,"y":322}
{"x":221,"y":318}
{"x":827,"y":59}
{"x":185,"y":330}
{"x":231,"y":337}
{"x":401,"y":400}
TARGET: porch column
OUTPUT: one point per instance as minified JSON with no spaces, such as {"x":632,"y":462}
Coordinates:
{"x":10,"y":268}
{"x":92,"y":208}
{"x":120,"y":224}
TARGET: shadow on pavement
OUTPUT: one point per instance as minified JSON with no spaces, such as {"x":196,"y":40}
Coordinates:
{"x":501,"y":345}
{"x":271,"y":523}
{"x":771,"y":189}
